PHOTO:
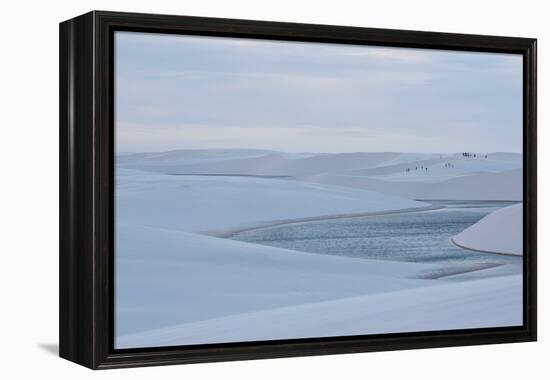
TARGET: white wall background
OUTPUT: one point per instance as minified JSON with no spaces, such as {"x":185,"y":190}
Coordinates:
{"x":29,"y":201}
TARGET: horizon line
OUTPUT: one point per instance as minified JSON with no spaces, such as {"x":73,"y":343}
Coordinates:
{"x":305,"y":152}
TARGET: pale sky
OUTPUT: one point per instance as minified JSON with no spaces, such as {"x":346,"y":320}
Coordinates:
{"x":190,"y":92}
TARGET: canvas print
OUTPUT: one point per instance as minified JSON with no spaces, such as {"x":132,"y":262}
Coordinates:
{"x":273,"y":190}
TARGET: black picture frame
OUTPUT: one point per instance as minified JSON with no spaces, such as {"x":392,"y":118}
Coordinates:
{"x":86,"y":189}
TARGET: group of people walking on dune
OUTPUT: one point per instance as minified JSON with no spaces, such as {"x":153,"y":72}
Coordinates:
{"x":423,"y":168}
{"x":474,"y":155}
{"x":448,"y":164}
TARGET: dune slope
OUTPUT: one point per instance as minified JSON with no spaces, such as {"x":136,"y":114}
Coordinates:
{"x":499,"y":232}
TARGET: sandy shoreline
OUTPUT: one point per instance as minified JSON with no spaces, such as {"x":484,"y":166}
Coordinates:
{"x":449,"y":272}
{"x":483,"y":251}
{"x":226,"y":234}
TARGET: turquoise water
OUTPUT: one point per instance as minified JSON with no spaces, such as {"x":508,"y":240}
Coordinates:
{"x":413,"y":237}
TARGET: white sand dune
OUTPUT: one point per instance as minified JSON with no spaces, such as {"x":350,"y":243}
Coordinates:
{"x":437,"y":171}
{"x":499,"y":232}
{"x":197,"y":203}
{"x":266,"y":163}
{"x":436,"y":308}
{"x":242,"y":291}
{"x":161,"y":273}
{"x":506,"y":185}
{"x":176,"y":286}
{"x":496,"y":176}
{"x":187,"y":157}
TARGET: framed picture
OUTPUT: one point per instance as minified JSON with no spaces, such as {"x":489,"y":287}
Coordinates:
{"x":237,"y":189}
